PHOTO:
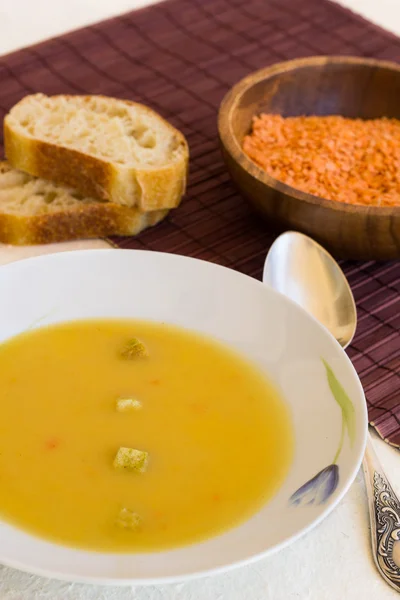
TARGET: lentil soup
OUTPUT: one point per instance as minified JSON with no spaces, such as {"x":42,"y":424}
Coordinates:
{"x":134,"y":436}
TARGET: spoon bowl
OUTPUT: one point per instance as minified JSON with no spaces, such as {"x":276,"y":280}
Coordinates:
{"x":302,"y":270}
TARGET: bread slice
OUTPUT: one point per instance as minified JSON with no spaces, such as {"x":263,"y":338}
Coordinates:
{"x":35,"y":211}
{"x":105,"y":148}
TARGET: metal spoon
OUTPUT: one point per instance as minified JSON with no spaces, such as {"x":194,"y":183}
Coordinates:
{"x":301,"y":269}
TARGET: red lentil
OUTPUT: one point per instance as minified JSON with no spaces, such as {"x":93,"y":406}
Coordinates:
{"x":348,"y":160}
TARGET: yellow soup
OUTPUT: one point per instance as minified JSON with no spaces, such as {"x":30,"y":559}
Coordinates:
{"x":134,"y":436}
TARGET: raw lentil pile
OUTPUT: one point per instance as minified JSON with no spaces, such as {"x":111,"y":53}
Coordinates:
{"x":348,"y":160}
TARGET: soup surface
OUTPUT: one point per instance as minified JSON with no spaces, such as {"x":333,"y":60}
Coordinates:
{"x":78,"y":410}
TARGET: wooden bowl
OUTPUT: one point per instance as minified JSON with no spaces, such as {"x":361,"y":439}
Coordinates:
{"x":352,"y":87}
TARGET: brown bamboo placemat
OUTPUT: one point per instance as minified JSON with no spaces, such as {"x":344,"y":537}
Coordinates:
{"x":180,"y":57}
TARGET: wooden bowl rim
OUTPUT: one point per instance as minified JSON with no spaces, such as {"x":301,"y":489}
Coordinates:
{"x":229,"y":105}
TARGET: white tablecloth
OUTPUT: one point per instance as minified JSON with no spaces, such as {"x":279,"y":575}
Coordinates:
{"x":332,"y":562}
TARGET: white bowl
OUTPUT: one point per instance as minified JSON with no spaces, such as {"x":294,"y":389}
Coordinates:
{"x":276,"y":334}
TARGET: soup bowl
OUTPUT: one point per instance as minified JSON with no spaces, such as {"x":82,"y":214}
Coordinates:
{"x":316,"y":379}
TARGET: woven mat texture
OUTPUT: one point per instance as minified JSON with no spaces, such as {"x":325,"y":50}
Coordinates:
{"x":180,"y":57}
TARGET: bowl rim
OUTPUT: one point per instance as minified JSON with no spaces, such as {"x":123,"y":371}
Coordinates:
{"x":229,"y":141}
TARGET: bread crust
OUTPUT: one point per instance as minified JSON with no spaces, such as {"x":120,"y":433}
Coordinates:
{"x":90,"y":221}
{"x":86,"y":218}
{"x":148,"y":188}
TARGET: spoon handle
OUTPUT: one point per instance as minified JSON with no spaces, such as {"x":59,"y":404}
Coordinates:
{"x":384,"y":510}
